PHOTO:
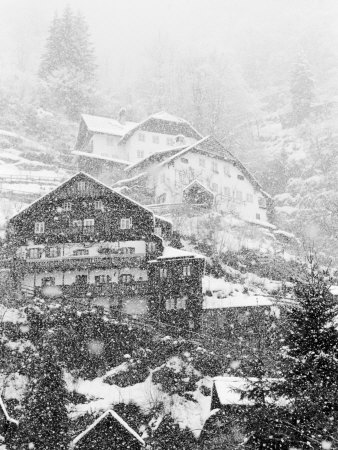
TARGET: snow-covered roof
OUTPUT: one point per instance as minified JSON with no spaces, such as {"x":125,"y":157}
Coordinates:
{"x":155,"y":157}
{"x":86,"y":175}
{"x":171,"y":253}
{"x":229,"y":389}
{"x":238,"y":301}
{"x":164,"y":123}
{"x":165,"y":219}
{"x":107,"y":125}
{"x":115,"y":416}
{"x":105,"y":158}
{"x":200,"y":184}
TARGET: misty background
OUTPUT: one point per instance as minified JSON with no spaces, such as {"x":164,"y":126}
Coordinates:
{"x":234,"y":69}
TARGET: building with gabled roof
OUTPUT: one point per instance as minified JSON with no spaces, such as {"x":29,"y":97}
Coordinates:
{"x":105,"y":146}
{"x":88,"y":244}
{"x":107,"y":432}
{"x":203,"y":174}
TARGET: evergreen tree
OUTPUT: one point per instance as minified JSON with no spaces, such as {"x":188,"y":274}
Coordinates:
{"x":308,"y":381}
{"x":67,"y":67}
{"x":301,"y":88}
{"x":44,"y":423}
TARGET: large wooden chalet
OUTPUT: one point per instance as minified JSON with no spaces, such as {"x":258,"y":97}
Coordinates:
{"x":86,"y":243}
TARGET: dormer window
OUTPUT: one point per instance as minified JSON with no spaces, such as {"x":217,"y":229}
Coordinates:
{"x":141,"y":137}
{"x":186,"y":271}
{"x":126,"y":223}
{"x":179,"y":139}
{"x":67,"y":206}
{"x":39,"y":227}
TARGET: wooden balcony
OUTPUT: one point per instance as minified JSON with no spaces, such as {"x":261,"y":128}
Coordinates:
{"x":84,"y":262}
{"x":118,"y":290}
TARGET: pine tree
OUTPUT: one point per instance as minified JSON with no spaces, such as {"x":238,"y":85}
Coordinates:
{"x":309,"y":368}
{"x":301,"y":89}
{"x":44,"y":423}
{"x":67,"y":67}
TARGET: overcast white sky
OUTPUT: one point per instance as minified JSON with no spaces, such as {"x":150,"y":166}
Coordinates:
{"x":124,"y":30}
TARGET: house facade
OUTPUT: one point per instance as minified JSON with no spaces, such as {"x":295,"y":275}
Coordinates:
{"x":84,"y":242}
{"x":106,"y":146}
{"x":204,"y":173}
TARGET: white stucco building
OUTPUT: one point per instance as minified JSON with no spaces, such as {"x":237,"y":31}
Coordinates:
{"x":204,"y":173}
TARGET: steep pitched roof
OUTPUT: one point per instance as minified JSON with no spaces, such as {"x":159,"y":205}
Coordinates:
{"x":164,"y":123}
{"x":108,"y":414}
{"x":79,"y":176}
{"x":106,"y":125}
{"x":156,"y":157}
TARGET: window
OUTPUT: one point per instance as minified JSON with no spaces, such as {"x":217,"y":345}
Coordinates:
{"x":240,"y":177}
{"x":185,"y":160}
{"x":102,"y":279}
{"x":126,"y":223}
{"x":170,"y":303}
{"x":81,"y":252}
{"x":170,"y":141}
{"x":186,"y":271}
{"x":258,"y":216}
{"x":181,"y":303}
{"x":39,"y":227}
{"x":202,"y":162}
{"x":81,"y":186}
{"x":67,"y":206}
{"x":91,"y":146}
{"x":161,"y":198}
{"x":88,"y":225}
{"x":214,"y":187}
{"x":249,"y":198}
{"x":182,"y":176}
{"x":180,"y":139}
{"x":128,"y":250}
{"x":141,"y":137}
{"x":88,"y":222}
{"x":140,"y":153}
{"x":156,"y":139}
{"x":262,"y":202}
{"x":98,"y":204}
{"x":227,"y":171}
{"x":151,"y":247}
{"x":53,"y":252}
{"x":239,"y":196}
{"x":81,"y":279}
{"x":226,"y":191}
{"x":126,"y":278}
{"x":158,"y":231}
{"x":34,"y":253}
{"x":163,"y":272}
{"x":77,"y":223}
{"x":214,"y":166}
{"x":48,"y":281}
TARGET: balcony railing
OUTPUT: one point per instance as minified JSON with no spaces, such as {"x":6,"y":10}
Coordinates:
{"x":85,"y":262}
{"x":101,"y":290}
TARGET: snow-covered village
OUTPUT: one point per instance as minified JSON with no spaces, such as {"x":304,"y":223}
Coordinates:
{"x":168,"y":224}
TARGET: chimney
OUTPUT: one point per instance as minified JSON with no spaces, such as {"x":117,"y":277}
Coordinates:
{"x":122,"y":116}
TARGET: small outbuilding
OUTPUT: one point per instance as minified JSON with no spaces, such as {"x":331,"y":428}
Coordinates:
{"x":107,"y":432}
